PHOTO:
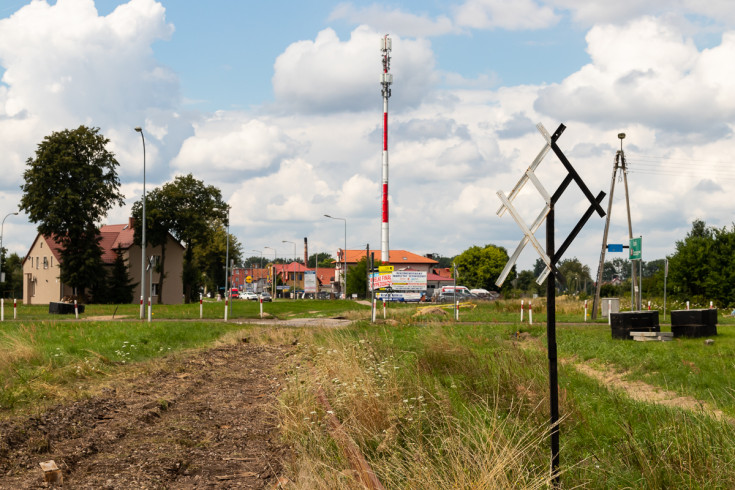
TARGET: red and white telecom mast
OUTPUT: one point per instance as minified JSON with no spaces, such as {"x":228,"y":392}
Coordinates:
{"x":386,"y":79}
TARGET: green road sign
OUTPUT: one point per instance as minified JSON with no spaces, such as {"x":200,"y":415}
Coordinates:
{"x":636,"y":245}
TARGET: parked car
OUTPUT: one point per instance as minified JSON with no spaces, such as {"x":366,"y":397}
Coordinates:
{"x":249,"y":295}
{"x":485,"y":294}
{"x":451,"y":296}
{"x":265,"y":296}
{"x":234,"y":294}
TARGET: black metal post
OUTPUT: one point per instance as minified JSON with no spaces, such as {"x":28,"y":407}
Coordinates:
{"x":551,"y":347}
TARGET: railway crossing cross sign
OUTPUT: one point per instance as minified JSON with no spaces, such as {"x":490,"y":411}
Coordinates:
{"x":550,"y":258}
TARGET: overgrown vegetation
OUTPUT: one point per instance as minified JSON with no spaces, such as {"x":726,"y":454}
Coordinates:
{"x":466,"y":407}
{"x":432,"y":403}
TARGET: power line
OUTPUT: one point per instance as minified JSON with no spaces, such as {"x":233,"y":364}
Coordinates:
{"x":678,"y":167}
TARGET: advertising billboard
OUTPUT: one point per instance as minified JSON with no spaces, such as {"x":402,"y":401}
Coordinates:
{"x":310,"y":282}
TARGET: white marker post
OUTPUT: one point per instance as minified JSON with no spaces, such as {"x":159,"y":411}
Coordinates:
{"x":585,"y":310}
{"x":710,"y":305}
{"x":384,"y":311}
{"x":15,"y":309}
{"x":456,"y":310}
{"x":649,"y":306}
{"x":372,"y":310}
{"x":687,"y":305}
{"x":226,"y":304}
{"x":150,"y":309}
{"x":261,"y":307}
{"x":530,"y":313}
{"x":2,"y":309}
{"x":76,"y":310}
{"x":609,"y":312}
{"x":201,"y":308}
{"x":521,"y":311}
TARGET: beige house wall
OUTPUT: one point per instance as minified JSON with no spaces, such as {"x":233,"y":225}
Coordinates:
{"x":41,"y":284}
{"x":173,"y":286}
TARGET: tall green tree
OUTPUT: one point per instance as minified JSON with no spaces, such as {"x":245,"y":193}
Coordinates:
{"x":701,"y":268}
{"x":13,"y":269}
{"x":480,"y":267}
{"x":70,"y":186}
{"x":357,"y":278}
{"x":120,"y":285}
{"x":576,"y":274}
{"x":208,"y":257}
{"x":186,"y":208}
{"x":323,"y":259}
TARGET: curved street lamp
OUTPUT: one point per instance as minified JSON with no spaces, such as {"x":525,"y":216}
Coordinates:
{"x":142,"y":239}
{"x":2,"y":229}
{"x":344,"y":256}
{"x":261,"y":256}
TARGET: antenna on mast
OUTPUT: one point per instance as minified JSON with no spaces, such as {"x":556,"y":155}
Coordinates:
{"x":386,"y":79}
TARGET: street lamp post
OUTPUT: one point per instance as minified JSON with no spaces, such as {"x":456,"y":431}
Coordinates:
{"x":2,"y":229}
{"x":142,"y":239}
{"x":344,"y":256}
{"x":273,"y":279}
{"x":293,"y":293}
{"x":261,"y":264}
{"x":261,"y":256}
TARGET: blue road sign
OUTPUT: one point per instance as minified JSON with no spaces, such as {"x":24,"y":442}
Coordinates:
{"x":614,"y":247}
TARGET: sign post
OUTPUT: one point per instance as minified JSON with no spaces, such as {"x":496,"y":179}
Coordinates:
{"x":550,"y":256}
{"x":666,"y":275}
{"x":636,"y":253}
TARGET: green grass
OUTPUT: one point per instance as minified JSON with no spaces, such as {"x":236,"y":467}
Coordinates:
{"x":430,"y":402}
{"x":459,"y":370}
{"x":211,"y":310}
{"x":686,"y":366}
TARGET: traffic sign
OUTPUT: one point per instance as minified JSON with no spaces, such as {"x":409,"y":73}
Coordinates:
{"x":385,"y":268}
{"x":248,"y":279}
{"x":636,"y":247}
{"x":614,"y":247}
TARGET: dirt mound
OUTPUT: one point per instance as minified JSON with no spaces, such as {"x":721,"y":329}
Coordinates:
{"x":433,"y":310}
{"x":206,"y":420}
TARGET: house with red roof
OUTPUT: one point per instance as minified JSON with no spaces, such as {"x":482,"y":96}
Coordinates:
{"x":399,"y":259}
{"x":41,"y":267}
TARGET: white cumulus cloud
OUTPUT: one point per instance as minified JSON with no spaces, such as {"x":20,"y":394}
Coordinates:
{"x":228,"y":142}
{"x":500,"y":14}
{"x":647,"y":72}
{"x":331,"y":75}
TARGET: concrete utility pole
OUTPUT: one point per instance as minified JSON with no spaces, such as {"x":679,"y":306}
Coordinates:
{"x":619,"y":164}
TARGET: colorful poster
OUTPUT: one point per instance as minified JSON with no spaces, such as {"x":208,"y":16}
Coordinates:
{"x":399,"y":281}
{"x":310,"y":282}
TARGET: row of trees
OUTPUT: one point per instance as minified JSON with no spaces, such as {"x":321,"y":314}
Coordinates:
{"x":72,"y":184}
{"x":702,"y":269}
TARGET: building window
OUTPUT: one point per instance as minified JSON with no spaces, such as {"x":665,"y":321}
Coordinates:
{"x":37,"y":262}
{"x":45,"y":262}
{"x":154,"y":288}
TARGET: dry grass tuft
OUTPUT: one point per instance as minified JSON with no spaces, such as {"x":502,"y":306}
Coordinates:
{"x":16,"y":348}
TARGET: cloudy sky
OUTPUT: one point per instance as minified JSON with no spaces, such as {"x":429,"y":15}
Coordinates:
{"x":278,"y":104}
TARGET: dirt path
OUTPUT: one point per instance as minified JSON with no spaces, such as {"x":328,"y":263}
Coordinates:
{"x":644,"y":392}
{"x":203,"y":421}
{"x":637,"y":390}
